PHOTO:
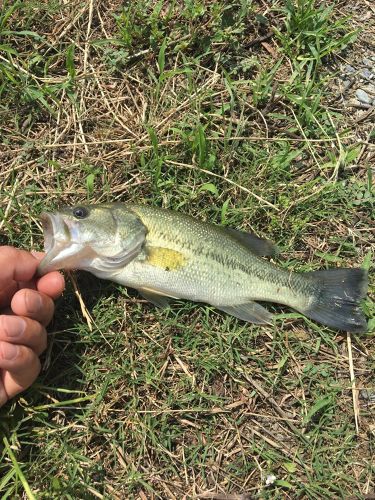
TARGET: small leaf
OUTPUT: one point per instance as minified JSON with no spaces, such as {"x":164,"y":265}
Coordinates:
{"x":70,"y":60}
{"x":36,"y":94}
{"x":56,"y":485}
{"x":352,"y":154}
{"x":6,"y":15}
{"x":23,"y":33}
{"x":282,"y":362}
{"x":328,"y":257}
{"x":211,"y":188}
{"x":161,"y":56}
{"x":318,"y":406}
{"x":367,"y":261}
{"x":261,"y":19}
{"x":290,"y":467}
{"x":202,"y":147}
{"x":224,"y":210}
{"x":154,"y":140}
{"x":8,"y":49}
{"x":90,"y":180}
{"x":283,"y":484}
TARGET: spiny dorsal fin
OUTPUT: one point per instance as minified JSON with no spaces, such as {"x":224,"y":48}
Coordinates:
{"x":257,"y":245}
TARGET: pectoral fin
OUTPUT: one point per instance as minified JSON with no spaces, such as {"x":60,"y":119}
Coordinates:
{"x":156,"y":298}
{"x":251,"y":312}
{"x":257,"y":245}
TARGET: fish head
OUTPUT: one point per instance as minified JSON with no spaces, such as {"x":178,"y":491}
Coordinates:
{"x":90,"y":237}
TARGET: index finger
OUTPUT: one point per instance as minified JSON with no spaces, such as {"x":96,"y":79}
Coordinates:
{"x":16,"y":265}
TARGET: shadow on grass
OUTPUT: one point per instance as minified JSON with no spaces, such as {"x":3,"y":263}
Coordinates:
{"x":62,"y":380}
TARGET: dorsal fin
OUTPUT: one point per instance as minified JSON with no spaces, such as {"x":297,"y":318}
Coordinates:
{"x":257,"y":245}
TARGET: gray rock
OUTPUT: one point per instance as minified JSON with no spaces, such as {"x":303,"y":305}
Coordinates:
{"x":348,"y":69}
{"x":347,"y":84}
{"x":367,"y":74}
{"x":363,"y":96}
{"x":367,"y":62}
{"x":368,"y":395}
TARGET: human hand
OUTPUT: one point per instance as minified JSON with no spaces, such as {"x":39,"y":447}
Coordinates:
{"x":26,"y":308}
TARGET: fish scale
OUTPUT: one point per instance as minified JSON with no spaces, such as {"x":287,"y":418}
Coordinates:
{"x":222,"y":274}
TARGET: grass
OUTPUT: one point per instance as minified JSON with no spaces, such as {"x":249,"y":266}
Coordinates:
{"x":229,"y":111}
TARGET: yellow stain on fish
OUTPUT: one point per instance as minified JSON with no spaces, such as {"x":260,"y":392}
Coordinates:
{"x":165,"y":258}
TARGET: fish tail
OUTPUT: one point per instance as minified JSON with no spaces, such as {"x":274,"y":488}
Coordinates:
{"x":337,"y":299}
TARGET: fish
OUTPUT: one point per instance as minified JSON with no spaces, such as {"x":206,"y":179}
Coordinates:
{"x":167,"y":255}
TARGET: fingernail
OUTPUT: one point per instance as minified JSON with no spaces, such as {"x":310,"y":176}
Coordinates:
{"x":9,"y":351}
{"x":12,"y":326}
{"x":33,"y":301}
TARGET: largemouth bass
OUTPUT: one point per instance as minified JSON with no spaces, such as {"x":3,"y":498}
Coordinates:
{"x":165,"y":254}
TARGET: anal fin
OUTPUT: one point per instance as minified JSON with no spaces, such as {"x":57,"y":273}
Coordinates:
{"x":250,"y":311}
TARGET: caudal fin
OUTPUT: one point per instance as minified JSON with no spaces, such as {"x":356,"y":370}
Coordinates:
{"x":337,"y":302}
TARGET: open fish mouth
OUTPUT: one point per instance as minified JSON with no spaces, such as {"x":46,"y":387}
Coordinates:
{"x":56,"y":239}
{"x":59,"y":245}
{"x":55,"y":231}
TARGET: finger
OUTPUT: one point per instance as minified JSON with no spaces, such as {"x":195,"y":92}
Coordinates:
{"x":52,"y":284}
{"x":23,"y":331}
{"x":21,"y":366}
{"x":34,"y":305}
{"x":16,"y":265}
{"x":38,"y":255}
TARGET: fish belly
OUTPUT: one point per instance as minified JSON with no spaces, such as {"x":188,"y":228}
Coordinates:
{"x":194,"y":282}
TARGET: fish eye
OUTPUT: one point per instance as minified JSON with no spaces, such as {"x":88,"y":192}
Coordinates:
{"x":80,"y":212}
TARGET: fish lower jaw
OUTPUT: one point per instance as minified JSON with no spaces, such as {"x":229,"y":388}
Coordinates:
{"x":62,"y":255}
